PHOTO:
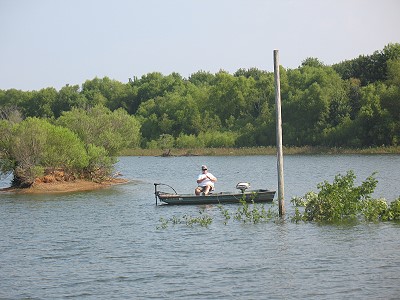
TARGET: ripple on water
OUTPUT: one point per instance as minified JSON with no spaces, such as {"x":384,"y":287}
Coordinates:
{"x":105,"y":245}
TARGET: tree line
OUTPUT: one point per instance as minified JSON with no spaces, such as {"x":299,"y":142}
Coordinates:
{"x":354,"y":103}
{"x":80,"y":129}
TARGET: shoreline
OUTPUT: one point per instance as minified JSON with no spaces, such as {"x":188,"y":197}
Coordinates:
{"x":60,"y":187}
{"x":81,"y":185}
{"x":305,"y":150}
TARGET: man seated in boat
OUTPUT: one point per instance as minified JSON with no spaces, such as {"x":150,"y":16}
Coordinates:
{"x":205,"y":182}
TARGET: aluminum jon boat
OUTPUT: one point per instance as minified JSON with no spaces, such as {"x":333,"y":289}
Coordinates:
{"x":260,"y":195}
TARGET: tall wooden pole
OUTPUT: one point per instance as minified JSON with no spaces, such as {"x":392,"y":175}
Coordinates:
{"x":279,"y":150}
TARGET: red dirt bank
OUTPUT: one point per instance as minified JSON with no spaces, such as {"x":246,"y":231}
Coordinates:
{"x":40,"y":187}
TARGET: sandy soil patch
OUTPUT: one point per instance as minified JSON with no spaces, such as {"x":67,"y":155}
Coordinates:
{"x":65,"y":186}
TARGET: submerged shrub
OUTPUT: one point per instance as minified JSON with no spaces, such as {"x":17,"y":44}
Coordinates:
{"x":246,"y":213}
{"x":374,"y":209}
{"x":202,"y":220}
{"x":343,"y":201}
{"x":252,"y":212}
{"x":393,"y":211}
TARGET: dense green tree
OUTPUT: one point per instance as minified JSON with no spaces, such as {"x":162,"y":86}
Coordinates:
{"x":234,"y":100}
{"x":257,"y":74}
{"x":10,"y":113}
{"x":352,"y":103}
{"x":373,"y":121}
{"x":15,"y":99}
{"x":164,"y":142}
{"x":110,"y":93}
{"x":41,"y":103}
{"x":393,"y":72}
{"x":354,"y":94}
{"x":392,"y":50}
{"x":6,"y":161}
{"x":69,"y":97}
{"x":31,"y":147}
{"x":101,"y":127}
{"x":247,"y":136}
{"x":154,"y":85}
{"x":189,"y":141}
{"x":312,"y":62}
{"x":170,"y":114}
{"x":369,"y":68}
{"x":102,"y":86}
{"x":316,"y":100}
{"x":202,"y":78}
{"x":217,"y":139}
{"x":390,"y":101}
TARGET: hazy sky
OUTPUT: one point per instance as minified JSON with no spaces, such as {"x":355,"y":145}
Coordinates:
{"x":51,"y":43}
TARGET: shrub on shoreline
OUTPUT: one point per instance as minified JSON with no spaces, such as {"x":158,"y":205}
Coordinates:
{"x":82,"y":144}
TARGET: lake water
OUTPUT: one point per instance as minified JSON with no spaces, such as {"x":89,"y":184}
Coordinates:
{"x":106,"y":245}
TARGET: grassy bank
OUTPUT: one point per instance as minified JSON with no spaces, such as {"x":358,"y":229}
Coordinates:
{"x":258,"y":151}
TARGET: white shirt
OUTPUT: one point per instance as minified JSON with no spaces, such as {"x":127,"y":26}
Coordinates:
{"x":206,"y":181}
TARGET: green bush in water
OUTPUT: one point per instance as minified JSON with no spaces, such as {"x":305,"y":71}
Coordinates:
{"x":393,"y":211}
{"x":342,"y":200}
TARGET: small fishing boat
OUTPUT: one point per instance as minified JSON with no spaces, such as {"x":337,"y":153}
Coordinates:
{"x":259,"y":195}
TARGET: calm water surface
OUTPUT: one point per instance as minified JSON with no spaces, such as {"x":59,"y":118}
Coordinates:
{"x":105,"y":244}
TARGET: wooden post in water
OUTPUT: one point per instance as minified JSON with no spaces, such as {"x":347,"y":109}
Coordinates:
{"x":281,"y":193}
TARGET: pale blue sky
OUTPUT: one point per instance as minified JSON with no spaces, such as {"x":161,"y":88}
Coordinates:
{"x":51,"y":43}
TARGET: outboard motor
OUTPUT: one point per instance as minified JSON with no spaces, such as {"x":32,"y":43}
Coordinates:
{"x":243,"y":186}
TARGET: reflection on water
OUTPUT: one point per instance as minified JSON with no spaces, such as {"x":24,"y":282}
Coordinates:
{"x":104,"y":244}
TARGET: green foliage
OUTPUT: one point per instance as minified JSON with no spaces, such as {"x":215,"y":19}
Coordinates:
{"x":100,"y":164}
{"x":312,"y":62}
{"x":215,"y":139}
{"x":170,"y":114}
{"x":63,"y":149}
{"x":189,"y":141}
{"x":316,"y":100}
{"x":34,"y":145}
{"x":337,"y":202}
{"x":350,"y":104}
{"x":232,"y":98}
{"x":203,"y":220}
{"x":110,"y":93}
{"x":201,"y":78}
{"x":165,"y":141}
{"x":41,"y":103}
{"x":343,"y":201}
{"x":369,"y":68}
{"x":69,"y":97}
{"x":374,"y":209}
{"x":393,"y":212}
{"x":374,"y":121}
{"x":252,"y":213}
{"x":247,"y":136}
{"x":99,"y":126}
{"x":16,"y":99}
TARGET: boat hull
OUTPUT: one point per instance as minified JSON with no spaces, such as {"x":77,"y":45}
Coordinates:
{"x":217,"y":198}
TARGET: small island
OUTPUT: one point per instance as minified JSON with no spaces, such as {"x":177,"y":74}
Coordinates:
{"x":54,"y":186}
{"x":76,"y":152}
